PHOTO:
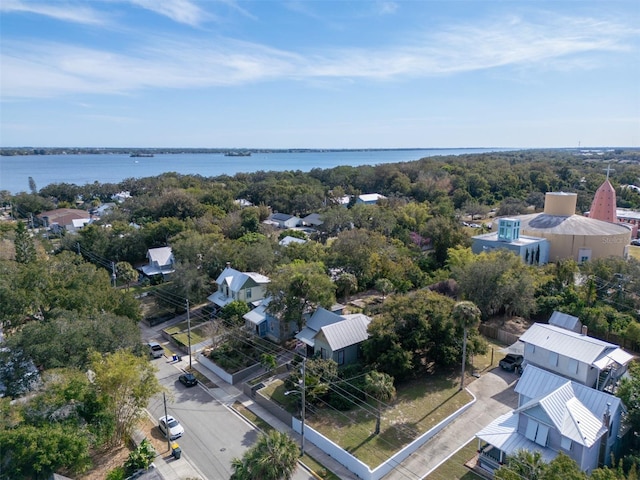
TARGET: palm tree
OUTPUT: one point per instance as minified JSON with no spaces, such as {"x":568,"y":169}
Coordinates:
{"x":467,"y":315}
{"x":379,"y":386}
{"x":273,"y":457}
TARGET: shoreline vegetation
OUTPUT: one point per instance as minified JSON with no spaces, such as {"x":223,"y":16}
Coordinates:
{"x":12,"y":151}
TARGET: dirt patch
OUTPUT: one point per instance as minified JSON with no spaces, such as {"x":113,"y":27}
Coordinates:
{"x":515,"y":325}
{"x":106,"y":460}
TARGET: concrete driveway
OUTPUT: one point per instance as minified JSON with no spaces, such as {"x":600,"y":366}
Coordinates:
{"x":494,"y":396}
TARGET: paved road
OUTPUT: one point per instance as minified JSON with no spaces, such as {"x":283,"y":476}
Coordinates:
{"x":214,"y":434}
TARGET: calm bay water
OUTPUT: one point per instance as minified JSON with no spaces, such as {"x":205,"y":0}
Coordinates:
{"x":113,"y":168}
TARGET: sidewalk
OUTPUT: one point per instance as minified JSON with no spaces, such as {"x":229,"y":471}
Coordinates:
{"x":228,"y":394}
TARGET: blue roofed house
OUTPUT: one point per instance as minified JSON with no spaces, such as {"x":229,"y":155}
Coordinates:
{"x":330,"y":335}
{"x":566,"y":402}
{"x":161,"y":262}
{"x":554,"y":415}
{"x":233,"y":285}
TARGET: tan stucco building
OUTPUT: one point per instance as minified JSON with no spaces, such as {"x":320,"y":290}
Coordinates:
{"x":574,"y":236}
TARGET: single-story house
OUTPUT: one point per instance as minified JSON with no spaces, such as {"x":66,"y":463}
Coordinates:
{"x":330,"y":335}
{"x":288,"y":240}
{"x":369,"y":198}
{"x":284,"y":220}
{"x":63,"y":217}
{"x":312,"y":220}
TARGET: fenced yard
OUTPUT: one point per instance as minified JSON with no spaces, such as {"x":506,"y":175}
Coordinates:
{"x":420,"y":404}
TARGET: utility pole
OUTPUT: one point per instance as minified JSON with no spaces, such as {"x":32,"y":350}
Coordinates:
{"x":113,"y":273}
{"x":189,"y":332}
{"x":164,"y":398}
{"x":304,"y":387}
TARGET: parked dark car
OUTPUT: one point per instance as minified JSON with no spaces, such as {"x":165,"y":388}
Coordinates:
{"x":512,"y":363}
{"x":188,"y":379}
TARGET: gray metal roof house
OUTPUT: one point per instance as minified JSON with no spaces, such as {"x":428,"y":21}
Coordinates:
{"x":554,"y":415}
{"x":587,"y":360}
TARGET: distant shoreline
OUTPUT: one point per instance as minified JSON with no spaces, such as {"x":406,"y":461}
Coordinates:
{"x":12,"y":151}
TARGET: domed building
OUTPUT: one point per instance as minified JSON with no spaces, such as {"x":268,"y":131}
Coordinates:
{"x":568,"y":235}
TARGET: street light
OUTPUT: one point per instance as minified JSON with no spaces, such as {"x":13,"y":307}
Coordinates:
{"x":301,"y":392}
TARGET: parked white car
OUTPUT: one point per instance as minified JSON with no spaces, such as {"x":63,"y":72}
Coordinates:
{"x":171,"y":425}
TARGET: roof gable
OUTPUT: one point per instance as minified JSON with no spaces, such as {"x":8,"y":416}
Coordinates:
{"x":161,"y":256}
{"x":574,"y":410}
{"x":236,"y":280}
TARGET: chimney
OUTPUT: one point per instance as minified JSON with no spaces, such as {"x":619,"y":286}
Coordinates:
{"x":229,"y":266}
{"x":606,"y":418}
{"x":584,"y":330}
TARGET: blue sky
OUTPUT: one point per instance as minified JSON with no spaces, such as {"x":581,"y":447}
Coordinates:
{"x":320,"y":74}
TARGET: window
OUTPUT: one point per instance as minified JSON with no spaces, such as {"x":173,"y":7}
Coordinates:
{"x":340,"y":354}
{"x":532,"y":430}
{"x":248,"y":294}
{"x":323,"y":353}
{"x":573,"y":365}
{"x":536,"y":432}
{"x":565,"y":443}
{"x":553,"y":359}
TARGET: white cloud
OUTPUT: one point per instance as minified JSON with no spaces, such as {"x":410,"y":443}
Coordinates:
{"x":181,"y":11}
{"x":68,"y":12}
{"x":50,"y":69}
{"x":386,"y":7}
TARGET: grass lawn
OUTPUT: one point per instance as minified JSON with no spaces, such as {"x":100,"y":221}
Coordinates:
{"x":483,"y":363}
{"x":454,"y":469}
{"x":634,"y":252}
{"x":419,"y":405}
{"x":307,"y":460}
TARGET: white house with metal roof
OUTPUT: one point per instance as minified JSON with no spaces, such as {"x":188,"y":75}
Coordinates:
{"x":330,"y":335}
{"x":554,"y":415}
{"x":587,"y":360}
{"x":161,"y":262}
{"x":242,"y":286}
{"x":370,"y":198}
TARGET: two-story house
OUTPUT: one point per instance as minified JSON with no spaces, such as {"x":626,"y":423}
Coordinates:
{"x":554,"y":415}
{"x":161,"y":262}
{"x":576,"y":356}
{"x":233,"y":285}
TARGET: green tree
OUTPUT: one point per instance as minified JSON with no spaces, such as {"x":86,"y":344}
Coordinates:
{"x":24,"y":246}
{"x":273,"y":457}
{"x":379,"y":386}
{"x":38,"y":452}
{"x":445,"y":233}
{"x":524,"y":464}
{"x":384,"y":286}
{"x":125,"y":383}
{"x":466,"y":315}
{"x":345,"y":284}
{"x":233,"y":312}
{"x":126,"y":273}
{"x":298,"y":288}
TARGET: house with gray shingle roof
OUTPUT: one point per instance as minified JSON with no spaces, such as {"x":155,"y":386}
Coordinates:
{"x":554,"y":415}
